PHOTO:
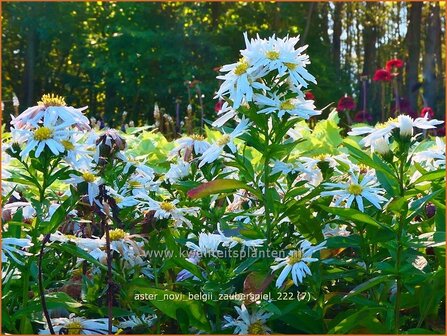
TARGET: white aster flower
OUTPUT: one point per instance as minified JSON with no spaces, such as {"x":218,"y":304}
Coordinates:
{"x":356,"y":189}
{"x":177,"y":171}
{"x":78,"y":326}
{"x":169,"y":210}
{"x":238,"y":83}
{"x":226,"y":113}
{"x":49,"y":134}
{"x":213,"y":152}
{"x":92,"y":181}
{"x":208,"y":244}
{"x":293,"y":106}
{"x":297,"y":262}
{"x":54,"y":106}
{"x":434,"y":156}
{"x":404,"y":123}
{"x":135,"y":321}
{"x":195,"y":142}
{"x":121,"y":199}
{"x":14,"y":247}
{"x":246,"y":323}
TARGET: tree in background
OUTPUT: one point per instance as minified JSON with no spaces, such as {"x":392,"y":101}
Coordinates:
{"x":127,"y":56}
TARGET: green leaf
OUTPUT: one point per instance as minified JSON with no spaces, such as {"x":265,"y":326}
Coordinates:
{"x":171,"y":302}
{"x":54,"y":301}
{"x":431,"y":176}
{"x":60,"y":214}
{"x":367,"y":285}
{"x":354,"y":215}
{"x":219,"y":186}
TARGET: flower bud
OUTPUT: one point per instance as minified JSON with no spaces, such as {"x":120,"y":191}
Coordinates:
{"x":382,"y":147}
{"x":405,"y":126}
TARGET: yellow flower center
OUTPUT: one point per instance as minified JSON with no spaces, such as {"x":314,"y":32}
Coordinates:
{"x":224,"y":139}
{"x":88,"y":177}
{"x":287,"y":105}
{"x":43,"y":133}
{"x":74,"y":328}
{"x":256,"y":328}
{"x":386,"y":123}
{"x":290,"y":66}
{"x":241,"y":67}
{"x":67,"y":145}
{"x":272,"y":55}
{"x":52,"y":100}
{"x":116,"y":234}
{"x":355,"y":189}
{"x":295,"y":257}
{"x":70,"y":236}
{"x":322,"y":157}
{"x":135,"y":184}
{"x":166,"y":206}
{"x":118,"y":199}
{"x":197,"y":137}
{"x":237,"y":240}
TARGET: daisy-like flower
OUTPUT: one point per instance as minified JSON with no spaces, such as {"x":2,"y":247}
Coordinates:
{"x":232,"y":241}
{"x":195,"y":142}
{"x":404,"y":123}
{"x":208,"y":244}
{"x":298,"y":106}
{"x":87,"y":176}
{"x":213,"y":152}
{"x":14,"y":247}
{"x":246,"y":323}
{"x":121,"y":200}
{"x":225,"y":113}
{"x":86,"y":244}
{"x":136,"y":321}
{"x":276,"y":54}
{"x":49,"y":134}
{"x":356,"y":188}
{"x":168,"y":210}
{"x":177,"y":171}
{"x":80,"y":149}
{"x":28,"y":212}
{"x":434,"y":156}
{"x":297,"y":262}
{"x":238,"y":83}
{"x":130,"y":250}
{"x":53,"y":105}
{"x":78,"y":326}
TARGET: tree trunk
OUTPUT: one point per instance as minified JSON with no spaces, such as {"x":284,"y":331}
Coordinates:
{"x":30,"y":63}
{"x":413,"y":39}
{"x":336,"y":44}
{"x":323,"y":9}
{"x":429,"y":71}
{"x":370,"y":36}
{"x":438,"y":55}
{"x":308,"y":22}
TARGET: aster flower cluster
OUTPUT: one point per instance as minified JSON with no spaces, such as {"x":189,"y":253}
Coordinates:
{"x":108,"y":232}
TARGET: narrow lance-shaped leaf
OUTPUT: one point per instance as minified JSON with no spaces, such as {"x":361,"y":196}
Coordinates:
{"x":219,"y":186}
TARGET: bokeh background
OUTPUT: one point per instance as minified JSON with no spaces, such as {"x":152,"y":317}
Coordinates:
{"x":126,"y":56}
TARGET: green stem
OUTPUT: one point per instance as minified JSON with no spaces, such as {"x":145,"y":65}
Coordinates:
{"x":268,"y":220}
{"x":399,"y":250}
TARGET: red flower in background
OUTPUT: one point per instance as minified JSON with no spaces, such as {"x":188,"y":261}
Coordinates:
{"x":308,"y":95}
{"x":383,"y":75}
{"x":394,"y":63}
{"x":427,"y":111}
{"x":362,"y":116}
{"x":346,"y":103}
{"x":218,"y":106}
